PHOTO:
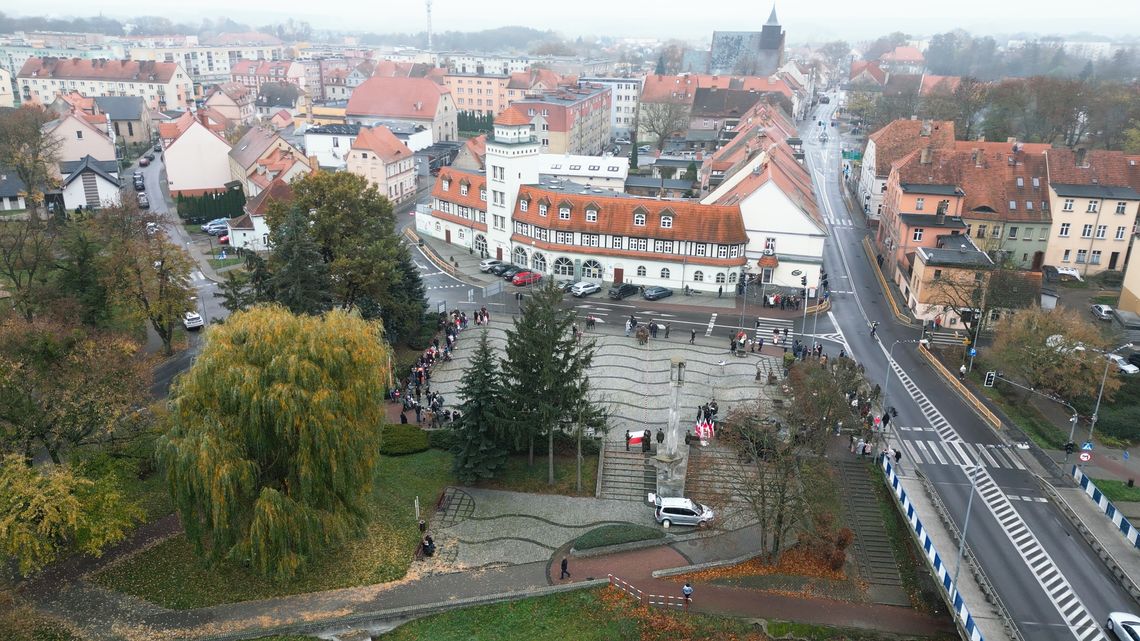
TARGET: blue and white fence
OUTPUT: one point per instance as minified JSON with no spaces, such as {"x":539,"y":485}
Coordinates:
{"x":945,"y":578}
{"x":1127,"y":530}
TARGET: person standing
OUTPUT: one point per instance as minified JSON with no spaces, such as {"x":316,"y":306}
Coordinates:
{"x":692,"y":336}
{"x":687,"y":593}
{"x":719,"y":291}
{"x":962,"y":372}
{"x":646,"y":440}
{"x":667,"y":327}
{"x":565,"y":569}
{"x":628,"y":327}
{"x":627,"y":437}
{"x":660,"y":439}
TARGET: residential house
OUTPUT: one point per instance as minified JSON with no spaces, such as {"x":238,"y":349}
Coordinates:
{"x":716,"y":112}
{"x":683,"y":89}
{"x":234,"y":101}
{"x":358,"y":74}
{"x":250,"y":231}
{"x":866,"y":74}
{"x":196,"y":156}
{"x":255,"y":73}
{"x":79,"y":137}
{"x":417,"y":100}
{"x":386,"y":162}
{"x":903,"y":59}
{"x":625,"y":100}
{"x":208,"y":63}
{"x":944,"y":277}
{"x":12,"y":191}
{"x":1130,"y":292}
{"x":891,"y":143}
{"x":130,"y":119}
{"x":601,"y":172}
{"x":334,"y":85}
{"x":262,"y":155}
{"x":90,"y":183}
{"x":162,"y":85}
{"x":472,"y":154}
{"x":7,"y":96}
{"x":329,"y":144}
{"x":1094,"y":206}
{"x":932,"y":85}
{"x":568,"y":120}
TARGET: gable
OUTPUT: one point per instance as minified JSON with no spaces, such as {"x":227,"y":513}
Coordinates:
{"x":769,"y":208}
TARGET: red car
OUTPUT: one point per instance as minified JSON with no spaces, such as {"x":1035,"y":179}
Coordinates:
{"x":526,"y":278}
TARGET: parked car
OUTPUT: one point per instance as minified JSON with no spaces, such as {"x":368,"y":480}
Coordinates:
{"x":151,"y":229}
{"x":216,"y":221}
{"x":1123,"y":626}
{"x":149,"y":155}
{"x":140,"y":185}
{"x":511,"y":272}
{"x":144,"y":202}
{"x":584,"y":287}
{"x":1134,"y":358}
{"x":618,"y":292}
{"x":144,"y":161}
{"x":224,"y":239}
{"x":157,"y":147}
{"x":486,"y":264}
{"x":564,"y":285}
{"x":192,"y":320}
{"x":217,"y":229}
{"x":497,"y":270}
{"x":644,"y":149}
{"x":1103,"y":312}
{"x":526,"y":278}
{"x":621,"y":140}
{"x":680,"y":511}
{"x":824,"y":100}
{"x":657,"y":292}
{"x":1124,"y":366}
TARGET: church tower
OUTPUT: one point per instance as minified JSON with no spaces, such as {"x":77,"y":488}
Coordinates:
{"x":511,"y":162}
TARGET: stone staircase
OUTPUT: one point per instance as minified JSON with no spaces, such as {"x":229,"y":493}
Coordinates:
{"x":627,"y":476}
{"x":714,"y":473}
{"x":871,"y":549}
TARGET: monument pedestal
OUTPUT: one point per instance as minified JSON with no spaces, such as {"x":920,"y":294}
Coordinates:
{"x":671,"y":473}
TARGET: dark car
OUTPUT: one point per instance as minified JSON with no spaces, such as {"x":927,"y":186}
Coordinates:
{"x":140,"y":185}
{"x":824,"y":100}
{"x":511,"y":272}
{"x":149,"y":156}
{"x":657,"y":292}
{"x":1134,"y":359}
{"x":158,"y":147}
{"x":497,"y":270}
{"x":621,"y":291}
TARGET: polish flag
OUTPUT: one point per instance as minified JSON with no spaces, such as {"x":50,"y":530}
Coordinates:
{"x":635,"y":438}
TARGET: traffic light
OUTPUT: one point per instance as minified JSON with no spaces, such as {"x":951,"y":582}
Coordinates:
{"x":803,"y":281}
{"x":1069,"y":447}
{"x":990,"y":378}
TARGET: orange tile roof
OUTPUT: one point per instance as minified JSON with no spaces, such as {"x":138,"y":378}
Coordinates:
{"x":1102,"y":167}
{"x":233,"y":90}
{"x":277,"y":191}
{"x":172,"y":130}
{"x":660,"y":88}
{"x":900,"y":137}
{"x":477,"y":146}
{"x":789,"y":176}
{"x":108,"y":70}
{"x":416,"y":98}
{"x":938,"y":84}
{"x":78,"y":101}
{"x":512,"y":116}
{"x":452,"y":194}
{"x":382,"y":142}
{"x":871,"y":68}
{"x":903,"y":53}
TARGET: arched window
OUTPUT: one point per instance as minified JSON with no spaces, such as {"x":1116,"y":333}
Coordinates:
{"x":480,"y":244}
{"x":720,"y":277}
{"x":591,"y":269}
{"x":563,"y":267}
{"x":460,"y":233}
{"x":698,"y":276}
{"x":639,"y":220}
{"x":732,"y":277}
{"x":641,"y":270}
{"x":665,"y":273}
{"x":438,"y":227}
{"x":666,"y":222}
{"x":538,"y":262}
{"x":520,"y":256}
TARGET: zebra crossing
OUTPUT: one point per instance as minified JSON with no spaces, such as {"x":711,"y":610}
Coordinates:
{"x":937,"y":452}
{"x":946,"y":337}
{"x":767,"y":327}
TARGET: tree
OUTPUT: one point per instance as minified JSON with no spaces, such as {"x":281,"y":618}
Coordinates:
{"x":299,"y":278}
{"x":235,"y":292}
{"x":1053,"y":351}
{"x":258,"y":270}
{"x":274,"y":436}
{"x":151,"y":279}
{"x":836,"y":53}
{"x":480,"y":452}
{"x":691,"y":172}
{"x":544,"y":373}
{"x":660,"y":69}
{"x":974,"y":296}
{"x":30,"y":153}
{"x":27,"y":255}
{"x":885,"y":44}
{"x":1111,"y":106}
{"x":48,"y":510}
{"x":633,"y":153}
{"x":663,"y":119}
{"x":77,"y":273}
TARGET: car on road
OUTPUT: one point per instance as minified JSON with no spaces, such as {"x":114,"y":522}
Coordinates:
{"x":140,"y":185}
{"x":144,"y":161}
{"x":486,"y":264}
{"x":824,"y":100}
{"x":656,"y":292}
{"x":192,"y":321}
{"x":157,"y":147}
{"x":621,"y":140}
{"x":644,"y":149}
{"x":526,"y":278}
{"x":1103,"y":312}
{"x":144,"y":202}
{"x":583,"y":288}
{"x":680,"y":511}
{"x":1123,"y":626}
{"x":151,"y":229}
{"x":623,"y":290}
{"x":1124,"y":366}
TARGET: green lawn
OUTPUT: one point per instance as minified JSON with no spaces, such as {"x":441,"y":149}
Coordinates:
{"x":171,"y":574}
{"x":21,"y":623}
{"x":1026,"y":417}
{"x":1117,"y":490}
{"x":518,"y":477}
{"x":617,"y":534}
{"x":12,"y":212}
{"x":809,"y":632}
{"x":218,"y":263}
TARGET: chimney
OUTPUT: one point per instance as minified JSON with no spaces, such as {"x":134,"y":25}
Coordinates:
{"x":924,"y":156}
{"x":924,"y":131}
{"x":202,"y":118}
{"x":977,"y":153}
{"x":1082,"y":157}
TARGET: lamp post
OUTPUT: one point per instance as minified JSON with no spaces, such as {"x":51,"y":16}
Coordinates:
{"x":965,"y":525}
{"x":887,"y":377}
{"x":1100,"y":392}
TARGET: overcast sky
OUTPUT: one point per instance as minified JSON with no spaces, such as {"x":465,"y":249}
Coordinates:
{"x":686,"y":19}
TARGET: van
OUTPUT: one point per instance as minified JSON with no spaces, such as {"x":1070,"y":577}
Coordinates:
{"x":680,"y":511}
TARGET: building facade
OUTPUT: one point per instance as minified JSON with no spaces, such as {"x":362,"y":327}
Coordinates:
{"x":207,"y":64}
{"x":386,"y":162}
{"x":196,"y":158}
{"x":625,"y":100}
{"x":162,"y":85}
{"x":234,"y":101}
{"x":419,"y":101}
{"x":567,"y":120}
{"x":254,"y":73}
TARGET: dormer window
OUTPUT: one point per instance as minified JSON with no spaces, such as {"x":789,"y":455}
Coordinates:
{"x":591,"y":215}
{"x":542,"y":210}
{"x":462,"y":189}
{"x":595,"y":167}
{"x":639,"y":220}
{"x":446,"y":185}
{"x":575,"y":167}
{"x":666,"y":222}
{"x":563,"y":213}
{"x":483,"y":195}
{"x":523,"y":205}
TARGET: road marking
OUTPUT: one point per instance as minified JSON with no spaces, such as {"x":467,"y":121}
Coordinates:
{"x":712,"y":323}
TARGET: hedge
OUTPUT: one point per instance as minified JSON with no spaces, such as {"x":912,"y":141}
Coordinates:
{"x":399,"y":439}
{"x":443,"y":439}
{"x":617,"y":534}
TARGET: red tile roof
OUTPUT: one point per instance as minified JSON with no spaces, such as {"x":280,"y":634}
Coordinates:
{"x":758,"y":128}
{"x":658,"y":88}
{"x":234,"y":91}
{"x":535,"y":78}
{"x":107,"y":70}
{"x":903,"y":54}
{"x":870,"y":68}
{"x":416,"y":98}
{"x":939,"y":84}
{"x":790,"y":177}
{"x":1101,"y":167}
{"x":261,"y":68}
{"x":512,"y":116}
{"x":277,"y":191}
{"x":452,"y":194}
{"x":382,"y":142}
{"x":172,"y":130}
{"x":477,"y":147}
{"x":78,"y":101}
{"x":900,"y":137}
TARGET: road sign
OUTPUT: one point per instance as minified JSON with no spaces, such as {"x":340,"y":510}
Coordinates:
{"x":1084,"y":457}
{"x":442,"y":307}
{"x":1126,"y":455}
{"x":470,"y":295}
{"x":973,"y":352}
{"x":1087,"y":446}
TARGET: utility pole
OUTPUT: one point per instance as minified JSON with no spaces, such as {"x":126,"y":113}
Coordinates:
{"x":428,"y":3}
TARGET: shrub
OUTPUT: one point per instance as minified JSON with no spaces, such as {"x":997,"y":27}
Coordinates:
{"x":836,"y":559}
{"x":443,"y":439}
{"x":844,"y":538}
{"x":789,"y":359}
{"x":400,"y":439}
{"x":616,"y":534}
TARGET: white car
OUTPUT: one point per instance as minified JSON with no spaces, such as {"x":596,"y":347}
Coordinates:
{"x":1123,"y":626}
{"x":1121,"y":364}
{"x":583,"y":287}
{"x":621,"y":141}
{"x":192,"y":321}
{"x":1103,"y":312}
{"x":486,"y":264}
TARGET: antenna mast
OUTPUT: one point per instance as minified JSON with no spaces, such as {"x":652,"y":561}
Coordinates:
{"x":428,"y":3}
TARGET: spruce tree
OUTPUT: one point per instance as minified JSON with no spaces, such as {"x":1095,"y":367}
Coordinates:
{"x":481,"y":449}
{"x":300,"y":279}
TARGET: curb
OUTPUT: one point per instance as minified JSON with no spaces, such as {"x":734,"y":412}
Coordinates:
{"x":979,"y":408}
{"x":353,"y":620}
{"x":437,"y":260}
{"x":697,"y":567}
{"x":668,"y":539}
{"x":899,"y":316}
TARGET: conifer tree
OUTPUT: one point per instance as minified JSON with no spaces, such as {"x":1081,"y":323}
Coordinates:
{"x":482,"y":448}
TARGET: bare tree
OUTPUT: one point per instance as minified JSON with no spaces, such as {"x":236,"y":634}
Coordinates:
{"x":28,"y":151}
{"x":973,"y":296}
{"x":663,"y":119}
{"x":26,"y":259}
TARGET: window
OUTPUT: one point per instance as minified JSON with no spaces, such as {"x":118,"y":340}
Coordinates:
{"x":575,"y":167}
{"x":722,"y":251}
{"x":770,"y":244}
{"x":720,"y":278}
{"x":1013,"y":233}
{"x":996,"y":233}
{"x":641,"y":270}
{"x":498,"y":197}
{"x":591,"y":240}
{"x":1093,"y":206}
{"x":1102,"y":231}
{"x":563,"y":267}
{"x":639,"y":244}
{"x":615,"y":242}
{"x":591,"y":269}
{"x":1082,"y":255}
{"x":523,"y":204}
{"x":665,"y":273}
{"x":700,"y":249}
{"x":1013,"y":205}
{"x":1095,"y":258}
{"x":917,"y":235}
{"x":639,"y":220}
{"x":1086,"y":231}
{"x":1121,"y":207}
{"x":698,"y":276}
{"x":498,"y":173}
{"x":1068,"y":206}
{"x":1029,"y":205}
{"x":1064,"y":232}
{"x":1020,"y":182}
{"x":734,"y":251}
{"x":666,"y":222}
{"x":563,"y":213}
{"x":1120,"y":233}
{"x":541,"y":209}
{"x":1065,"y":257}
{"x":938,"y":274}
{"x":463,"y":190}
{"x":336,"y":142}
{"x":732,"y":277}
{"x":564,"y":237}
{"x":663,"y":246}
{"x":78,"y":134}
{"x":591,"y":215}
{"x":981,"y":232}
{"x":919,"y":204}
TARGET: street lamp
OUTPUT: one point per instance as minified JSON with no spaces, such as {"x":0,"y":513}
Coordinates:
{"x":887,"y":377}
{"x":1100,"y":393}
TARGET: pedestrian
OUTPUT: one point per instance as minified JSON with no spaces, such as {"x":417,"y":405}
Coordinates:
{"x":423,"y":526}
{"x":760,"y":345}
{"x":732,"y":345}
{"x":775,"y":337}
{"x":660,"y":439}
{"x":667,"y":327}
{"x":565,"y":569}
{"x":719,"y":291}
{"x":859,"y":447}
{"x":751,"y":346}
{"x":692,"y":336}
{"x":646,"y":441}
{"x":653,"y":329}
{"x":627,"y":437}
{"x":962,"y":372}
{"x":403,"y":418}
{"x":851,"y":443}
{"x":687,"y":593}
{"x":898,"y":456}
{"x":418,"y":410}
{"x":628,"y":327}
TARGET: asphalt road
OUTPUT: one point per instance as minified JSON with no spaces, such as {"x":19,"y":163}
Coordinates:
{"x":1021,"y":540}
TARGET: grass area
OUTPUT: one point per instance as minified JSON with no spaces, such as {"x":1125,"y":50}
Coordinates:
{"x":172,"y":575}
{"x":1117,"y":490}
{"x":810,"y":632}
{"x":1104,"y":300}
{"x":218,"y":263}
{"x":517,"y":476}
{"x":616,"y":535}
{"x":1024,"y":415}
{"x":916,"y":579}
{"x":286,"y":637}
{"x":12,"y":212}
{"x":19,"y":622}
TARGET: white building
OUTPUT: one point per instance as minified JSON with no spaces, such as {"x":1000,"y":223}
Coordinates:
{"x":78,"y":137}
{"x":90,"y":183}
{"x":625,"y":100}
{"x":197,"y":159}
{"x":207,"y":64}
{"x":162,"y":85}
{"x":7,"y":96}
{"x":603,"y":172}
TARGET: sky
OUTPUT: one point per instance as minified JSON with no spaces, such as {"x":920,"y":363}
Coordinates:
{"x":813,"y":20}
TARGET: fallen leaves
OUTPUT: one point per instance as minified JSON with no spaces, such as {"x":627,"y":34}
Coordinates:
{"x":796,"y":561}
